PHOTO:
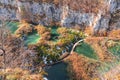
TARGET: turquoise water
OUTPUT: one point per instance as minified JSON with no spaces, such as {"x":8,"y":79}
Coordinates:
{"x":58,"y":72}
{"x":86,"y":50}
{"x":54,"y":33}
{"x":115,"y":50}
{"x":33,"y":38}
{"x":13,"y":26}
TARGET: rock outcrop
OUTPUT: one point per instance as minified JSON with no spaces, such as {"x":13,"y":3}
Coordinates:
{"x":63,"y":12}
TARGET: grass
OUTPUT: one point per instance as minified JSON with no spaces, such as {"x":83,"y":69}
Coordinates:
{"x":86,"y":50}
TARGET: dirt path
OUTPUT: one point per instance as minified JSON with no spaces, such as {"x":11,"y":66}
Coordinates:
{"x":76,"y":45}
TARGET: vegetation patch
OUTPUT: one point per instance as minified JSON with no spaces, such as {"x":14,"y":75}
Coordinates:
{"x":115,"y":49}
{"x":49,"y":42}
{"x":86,"y":50}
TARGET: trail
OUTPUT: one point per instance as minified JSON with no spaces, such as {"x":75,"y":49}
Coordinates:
{"x":76,"y":45}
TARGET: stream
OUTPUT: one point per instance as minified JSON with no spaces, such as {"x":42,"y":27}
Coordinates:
{"x":59,"y":71}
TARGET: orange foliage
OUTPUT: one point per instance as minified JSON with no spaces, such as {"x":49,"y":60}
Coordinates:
{"x":62,"y":30}
{"x":18,"y":74}
{"x":114,"y":33}
{"x":41,"y":29}
{"x":101,"y":33}
{"x":80,"y":68}
{"x":46,"y":36}
{"x":117,"y":77}
{"x":88,"y":30}
{"x":98,"y":44}
{"x":43,"y":32}
{"x":24,"y":28}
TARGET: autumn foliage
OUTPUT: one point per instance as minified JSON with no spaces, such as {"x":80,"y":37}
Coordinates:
{"x":99,"y":45}
{"x":114,"y":33}
{"x":19,"y":74}
{"x":24,"y":28}
{"x":43,"y":31}
{"x":81,"y":68}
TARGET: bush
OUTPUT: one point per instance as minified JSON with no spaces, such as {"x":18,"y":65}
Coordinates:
{"x":114,"y":33}
{"x":19,"y":74}
{"x":24,"y":28}
{"x":41,"y":29}
{"x":81,"y":68}
{"x":46,"y":36}
{"x":62,"y":30}
{"x":43,"y":32}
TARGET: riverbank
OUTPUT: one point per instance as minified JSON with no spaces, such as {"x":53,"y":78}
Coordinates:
{"x":84,"y":67}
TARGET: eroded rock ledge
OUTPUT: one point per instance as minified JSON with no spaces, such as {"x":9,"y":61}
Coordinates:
{"x":95,"y":13}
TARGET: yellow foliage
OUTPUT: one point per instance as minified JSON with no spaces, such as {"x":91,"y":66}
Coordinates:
{"x":114,"y":33}
{"x":117,"y":77}
{"x":96,"y":79}
{"x":19,"y":74}
{"x":24,"y":28}
{"x":88,"y":30}
{"x":62,"y":30}
{"x":41,"y":29}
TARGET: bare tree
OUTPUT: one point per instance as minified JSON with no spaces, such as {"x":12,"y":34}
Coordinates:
{"x":4,"y":33}
{"x":23,"y":12}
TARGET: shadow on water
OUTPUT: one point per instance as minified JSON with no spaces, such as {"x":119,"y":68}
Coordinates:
{"x":58,"y":72}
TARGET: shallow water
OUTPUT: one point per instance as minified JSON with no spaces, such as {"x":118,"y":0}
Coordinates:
{"x":86,"y":50}
{"x":115,"y":50}
{"x":32,"y":39}
{"x":54,"y":33}
{"x":59,"y":71}
{"x":13,"y":26}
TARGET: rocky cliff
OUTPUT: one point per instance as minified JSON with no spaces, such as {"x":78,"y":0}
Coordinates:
{"x":101,"y":15}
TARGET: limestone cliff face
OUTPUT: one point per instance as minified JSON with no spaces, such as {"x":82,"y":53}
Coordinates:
{"x":46,"y":13}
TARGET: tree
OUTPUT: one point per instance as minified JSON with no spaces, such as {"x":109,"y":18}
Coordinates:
{"x":24,"y":13}
{"x":41,"y":29}
{"x":62,"y":30}
{"x":46,"y":36}
{"x":24,"y":28}
{"x":4,"y":33}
